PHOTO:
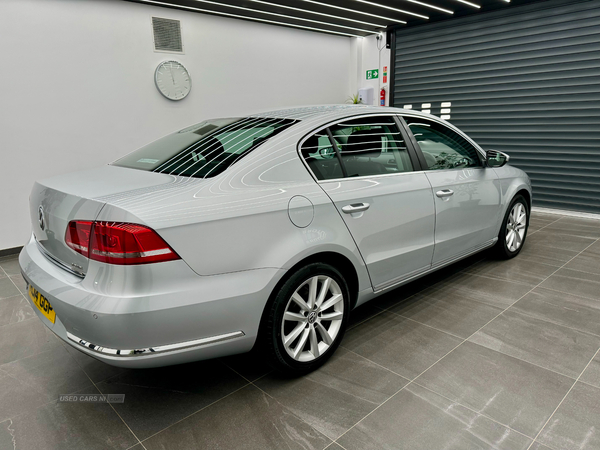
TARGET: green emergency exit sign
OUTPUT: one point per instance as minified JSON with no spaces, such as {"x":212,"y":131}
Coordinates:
{"x":372,"y":74}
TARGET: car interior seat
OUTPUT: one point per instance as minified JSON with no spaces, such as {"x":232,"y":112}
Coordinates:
{"x":360,"y":149}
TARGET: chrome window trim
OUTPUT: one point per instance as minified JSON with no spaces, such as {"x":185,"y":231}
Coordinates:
{"x":390,"y":114}
{"x":362,"y":177}
{"x":136,"y":353}
{"x":397,"y":174}
{"x":335,"y":122}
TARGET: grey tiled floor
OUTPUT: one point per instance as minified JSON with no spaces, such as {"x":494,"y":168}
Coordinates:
{"x":485,"y":354}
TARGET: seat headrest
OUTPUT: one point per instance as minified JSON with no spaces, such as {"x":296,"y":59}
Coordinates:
{"x":364,"y":143}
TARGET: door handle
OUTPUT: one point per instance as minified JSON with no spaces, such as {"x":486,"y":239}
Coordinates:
{"x":444,"y":193}
{"x":355,"y":207}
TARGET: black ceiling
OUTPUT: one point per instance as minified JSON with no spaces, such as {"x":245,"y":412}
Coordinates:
{"x":345,"y":17}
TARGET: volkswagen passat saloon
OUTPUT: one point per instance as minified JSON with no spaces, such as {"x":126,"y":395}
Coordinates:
{"x":263,"y":230}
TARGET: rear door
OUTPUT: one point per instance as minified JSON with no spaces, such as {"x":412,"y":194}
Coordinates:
{"x":467,"y":194}
{"x":363,"y":164}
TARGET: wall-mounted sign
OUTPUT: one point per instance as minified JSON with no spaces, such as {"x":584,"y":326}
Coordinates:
{"x":384,"y":74}
{"x":372,"y":74}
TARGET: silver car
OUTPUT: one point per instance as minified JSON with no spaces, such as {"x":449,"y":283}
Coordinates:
{"x":264,"y":230}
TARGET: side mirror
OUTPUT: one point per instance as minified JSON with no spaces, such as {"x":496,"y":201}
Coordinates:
{"x":494,"y":158}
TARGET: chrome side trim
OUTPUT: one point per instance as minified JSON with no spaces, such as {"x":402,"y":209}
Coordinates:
{"x":409,"y":276}
{"x":58,"y":262}
{"x":465,"y":254}
{"x":152,"y":350}
{"x":435,"y":267}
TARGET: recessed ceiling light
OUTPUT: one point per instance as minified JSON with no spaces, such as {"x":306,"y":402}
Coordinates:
{"x":469,"y":3}
{"x":427,"y":5}
{"x":320,"y":13}
{"x":239,"y":16}
{"x":285,"y":16}
{"x":355,"y":11}
{"x":393,"y":9}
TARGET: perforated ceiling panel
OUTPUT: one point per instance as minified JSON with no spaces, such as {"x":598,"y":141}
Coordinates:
{"x":525,"y":81}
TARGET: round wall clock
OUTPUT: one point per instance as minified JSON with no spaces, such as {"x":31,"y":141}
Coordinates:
{"x":172,"y":80}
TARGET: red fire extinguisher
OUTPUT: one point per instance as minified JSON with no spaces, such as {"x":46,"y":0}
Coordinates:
{"x":382,"y":97}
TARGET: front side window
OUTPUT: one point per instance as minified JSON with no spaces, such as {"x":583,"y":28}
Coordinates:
{"x":442,"y":147}
{"x":206,"y":149}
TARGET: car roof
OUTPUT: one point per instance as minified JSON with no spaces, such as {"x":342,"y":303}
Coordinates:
{"x":332,"y":112}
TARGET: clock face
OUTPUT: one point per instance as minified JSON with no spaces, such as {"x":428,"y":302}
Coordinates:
{"x":173,"y":80}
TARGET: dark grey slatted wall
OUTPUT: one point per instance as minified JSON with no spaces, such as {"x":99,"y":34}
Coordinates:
{"x":526,"y":81}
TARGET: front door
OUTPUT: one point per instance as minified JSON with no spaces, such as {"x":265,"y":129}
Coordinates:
{"x":467,"y":194}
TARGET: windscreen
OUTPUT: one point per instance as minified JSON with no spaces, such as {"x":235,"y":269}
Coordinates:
{"x":206,"y":149}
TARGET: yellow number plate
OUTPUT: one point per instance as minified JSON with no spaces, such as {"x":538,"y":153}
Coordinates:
{"x":42,"y":304}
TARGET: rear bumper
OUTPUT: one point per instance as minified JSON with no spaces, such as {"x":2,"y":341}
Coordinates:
{"x":150,"y":315}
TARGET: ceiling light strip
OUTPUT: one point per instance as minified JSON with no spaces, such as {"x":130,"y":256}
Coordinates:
{"x":469,"y":3}
{"x":239,"y":16}
{"x":259,"y":11}
{"x":308,"y":11}
{"x":427,"y":5}
{"x":392,"y":9}
{"x":362,"y":13}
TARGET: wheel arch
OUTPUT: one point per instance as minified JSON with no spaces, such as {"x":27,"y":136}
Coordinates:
{"x":510,"y":190}
{"x":334,"y":259}
{"x":341,"y":263}
{"x":525,"y":193}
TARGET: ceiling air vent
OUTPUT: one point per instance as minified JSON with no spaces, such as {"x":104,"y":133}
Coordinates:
{"x":167,"y":35}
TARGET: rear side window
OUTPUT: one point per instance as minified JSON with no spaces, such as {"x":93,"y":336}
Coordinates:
{"x":442,"y":147}
{"x":320,"y":156}
{"x":206,"y":149}
{"x":371,"y":146}
{"x":366,"y":146}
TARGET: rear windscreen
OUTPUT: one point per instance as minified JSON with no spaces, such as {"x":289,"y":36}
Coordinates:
{"x":206,"y":149}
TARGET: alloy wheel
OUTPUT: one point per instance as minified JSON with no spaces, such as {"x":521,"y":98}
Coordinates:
{"x":313,"y":318}
{"x":515,"y":227}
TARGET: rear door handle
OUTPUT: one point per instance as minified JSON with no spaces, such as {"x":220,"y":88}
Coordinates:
{"x":444,"y":193}
{"x":355,"y":207}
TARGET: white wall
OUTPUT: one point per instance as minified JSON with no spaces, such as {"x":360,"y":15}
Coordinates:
{"x":368,"y":57}
{"x":77,"y":87}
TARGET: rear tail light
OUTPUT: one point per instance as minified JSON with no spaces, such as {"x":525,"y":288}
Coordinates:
{"x":78,"y":236}
{"x":118,"y":243}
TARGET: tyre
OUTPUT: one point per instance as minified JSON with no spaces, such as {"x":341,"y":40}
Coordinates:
{"x":514,"y":229}
{"x":306,"y":319}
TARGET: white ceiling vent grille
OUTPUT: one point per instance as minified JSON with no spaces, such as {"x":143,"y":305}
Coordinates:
{"x":167,"y":35}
